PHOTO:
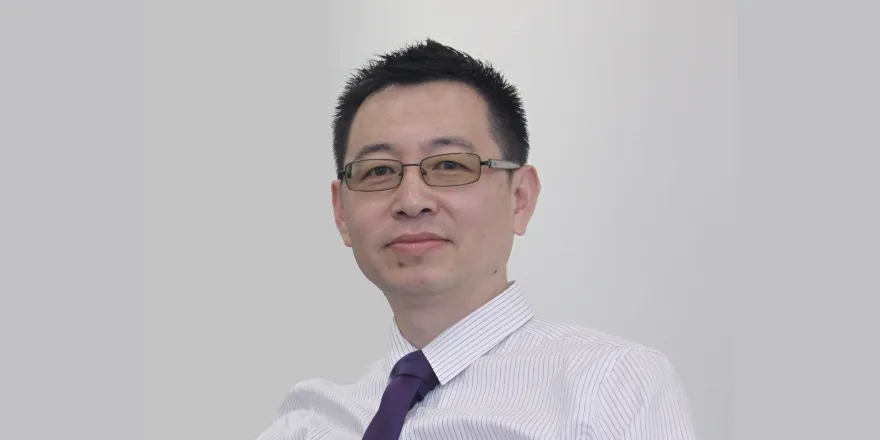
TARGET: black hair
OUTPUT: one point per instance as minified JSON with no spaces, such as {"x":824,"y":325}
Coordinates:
{"x":431,"y":61}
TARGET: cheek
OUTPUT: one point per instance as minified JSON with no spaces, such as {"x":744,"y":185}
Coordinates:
{"x":487,"y":218}
{"x":362,"y":221}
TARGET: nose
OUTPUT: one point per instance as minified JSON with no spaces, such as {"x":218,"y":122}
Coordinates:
{"x":412,"y":197}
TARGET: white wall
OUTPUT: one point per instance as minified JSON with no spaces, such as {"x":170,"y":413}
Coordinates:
{"x":631,"y":110}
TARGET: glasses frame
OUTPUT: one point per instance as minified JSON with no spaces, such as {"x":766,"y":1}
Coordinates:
{"x":499,"y":164}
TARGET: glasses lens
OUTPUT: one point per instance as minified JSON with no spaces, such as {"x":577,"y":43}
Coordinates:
{"x":452,"y":169}
{"x":374,"y":174}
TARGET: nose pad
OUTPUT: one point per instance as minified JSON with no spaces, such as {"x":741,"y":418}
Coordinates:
{"x":418,"y":174}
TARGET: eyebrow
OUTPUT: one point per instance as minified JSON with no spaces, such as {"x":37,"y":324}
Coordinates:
{"x":452,"y":140}
{"x":440,"y":142}
{"x":373,"y":148}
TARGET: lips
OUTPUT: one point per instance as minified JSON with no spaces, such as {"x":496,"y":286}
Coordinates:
{"x":416,"y":238}
{"x":417,"y":244}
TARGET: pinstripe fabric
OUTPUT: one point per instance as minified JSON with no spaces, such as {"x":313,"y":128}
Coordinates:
{"x":505,"y":374}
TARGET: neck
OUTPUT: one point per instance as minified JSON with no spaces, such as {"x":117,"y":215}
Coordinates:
{"x":421,"y":318}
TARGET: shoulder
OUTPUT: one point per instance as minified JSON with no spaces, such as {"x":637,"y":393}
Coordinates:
{"x":578,"y":337}
{"x":593,"y":354}
{"x":304,"y":394}
{"x":640,"y":394}
{"x":619,"y":385}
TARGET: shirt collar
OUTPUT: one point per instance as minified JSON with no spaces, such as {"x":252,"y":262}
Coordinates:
{"x":470,"y":338}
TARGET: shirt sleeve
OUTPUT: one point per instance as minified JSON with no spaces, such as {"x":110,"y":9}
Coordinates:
{"x":641,"y":398}
{"x":289,"y":423}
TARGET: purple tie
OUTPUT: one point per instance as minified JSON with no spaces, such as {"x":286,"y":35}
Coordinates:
{"x":411,"y":380}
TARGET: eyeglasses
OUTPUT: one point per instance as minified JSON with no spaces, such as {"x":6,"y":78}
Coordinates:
{"x":454,"y":169}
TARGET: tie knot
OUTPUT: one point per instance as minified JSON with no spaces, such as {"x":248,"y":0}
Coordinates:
{"x":415,"y":364}
{"x":412,"y":378}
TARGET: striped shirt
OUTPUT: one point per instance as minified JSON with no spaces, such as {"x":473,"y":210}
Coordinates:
{"x":506,"y":375}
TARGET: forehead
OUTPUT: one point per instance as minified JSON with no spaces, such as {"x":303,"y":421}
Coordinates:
{"x":408,"y":118}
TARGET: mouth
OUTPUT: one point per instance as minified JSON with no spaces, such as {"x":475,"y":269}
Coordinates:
{"x":416,"y":244}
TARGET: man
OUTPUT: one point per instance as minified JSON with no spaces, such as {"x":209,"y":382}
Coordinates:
{"x":431,"y":151}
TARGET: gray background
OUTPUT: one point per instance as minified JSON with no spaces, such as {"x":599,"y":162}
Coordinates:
{"x":153,"y":285}
{"x":632,"y":117}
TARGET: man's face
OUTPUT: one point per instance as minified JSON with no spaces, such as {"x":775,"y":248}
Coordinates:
{"x":475,"y":222}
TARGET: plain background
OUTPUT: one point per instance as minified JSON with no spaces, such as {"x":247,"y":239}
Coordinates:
{"x":102,"y":101}
{"x":249,"y":288}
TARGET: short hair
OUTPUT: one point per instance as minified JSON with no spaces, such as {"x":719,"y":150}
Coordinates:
{"x":431,"y":61}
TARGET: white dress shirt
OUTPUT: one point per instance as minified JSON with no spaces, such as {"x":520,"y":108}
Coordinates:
{"x":506,"y":375}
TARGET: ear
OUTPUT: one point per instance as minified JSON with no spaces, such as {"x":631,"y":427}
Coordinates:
{"x":525,"y":192}
{"x":338,"y":212}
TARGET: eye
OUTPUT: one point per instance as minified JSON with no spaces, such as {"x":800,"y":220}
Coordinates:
{"x":449,"y":165}
{"x":379,"y":171}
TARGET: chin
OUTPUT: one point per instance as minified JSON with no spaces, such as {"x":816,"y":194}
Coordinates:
{"x":417,"y":279}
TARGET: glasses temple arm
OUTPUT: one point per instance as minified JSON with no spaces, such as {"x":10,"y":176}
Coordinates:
{"x":501,"y":164}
